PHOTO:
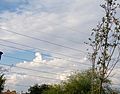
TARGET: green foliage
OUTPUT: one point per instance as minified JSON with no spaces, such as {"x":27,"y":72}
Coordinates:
{"x":36,"y":89}
{"x":2,"y":82}
{"x":55,"y":89}
{"x":105,"y":42}
{"x":78,"y":83}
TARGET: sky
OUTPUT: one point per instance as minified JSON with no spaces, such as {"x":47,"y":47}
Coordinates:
{"x":45,"y":35}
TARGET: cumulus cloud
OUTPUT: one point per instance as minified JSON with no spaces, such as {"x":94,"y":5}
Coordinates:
{"x":57,"y":70}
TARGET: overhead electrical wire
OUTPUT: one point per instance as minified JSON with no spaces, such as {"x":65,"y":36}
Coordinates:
{"x":29,"y":60}
{"x":51,"y":65}
{"x":38,"y":76}
{"x":42,"y":40}
{"x":46,"y":64}
{"x":59,"y":37}
{"x":70,"y":29}
{"x":39,"y":49}
{"x":46,"y":42}
{"x":33,"y":52}
{"x":40,"y":71}
{"x":29,"y":69}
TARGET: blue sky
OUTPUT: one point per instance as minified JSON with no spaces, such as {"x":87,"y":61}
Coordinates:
{"x":6,"y":5}
{"x":62,"y":22}
{"x":14,"y":6}
{"x":26,"y":18}
{"x":19,"y":54}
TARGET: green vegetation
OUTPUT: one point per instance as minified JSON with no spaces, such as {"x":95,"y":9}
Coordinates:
{"x":2,"y":82}
{"x":105,"y":43}
{"x":36,"y":89}
{"x":77,"y":83}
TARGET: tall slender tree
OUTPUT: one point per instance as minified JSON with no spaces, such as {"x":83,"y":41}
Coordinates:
{"x":106,"y":43}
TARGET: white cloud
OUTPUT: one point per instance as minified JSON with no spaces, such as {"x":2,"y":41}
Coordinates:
{"x":45,"y":19}
{"x":45,"y":25}
{"x":65,"y":22}
{"x":41,"y":65}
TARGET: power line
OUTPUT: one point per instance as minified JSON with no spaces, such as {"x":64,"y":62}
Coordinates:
{"x":19,"y":48}
{"x":36,"y":62}
{"x":57,"y":79}
{"x":38,"y":76}
{"x":71,"y":29}
{"x":46,"y":41}
{"x":33,"y":52}
{"x":38,"y":49}
{"x":46,"y":63}
{"x":29,"y":60}
{"x":59,"y":37}
{"x":41,"y":71}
